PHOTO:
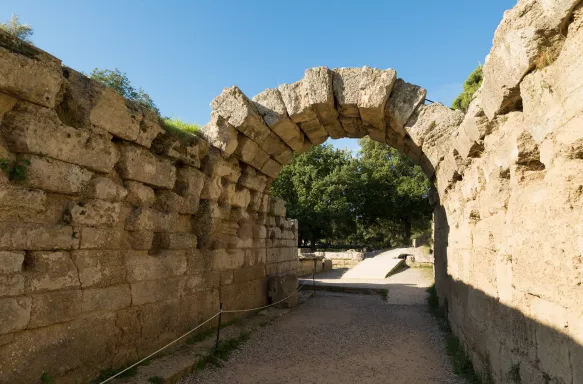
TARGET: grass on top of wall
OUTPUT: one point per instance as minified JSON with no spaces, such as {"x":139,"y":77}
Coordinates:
{"x":181,"y":129}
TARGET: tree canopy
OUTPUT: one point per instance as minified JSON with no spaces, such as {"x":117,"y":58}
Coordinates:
{"x":16,"y":28}
{"x":377,"y":198}
{"x":471,"y":85}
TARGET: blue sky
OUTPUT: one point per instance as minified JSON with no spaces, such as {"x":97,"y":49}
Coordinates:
{"x":183,"y":53}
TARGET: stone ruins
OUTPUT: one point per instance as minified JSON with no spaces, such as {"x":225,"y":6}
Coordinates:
{"x":121,"y":235}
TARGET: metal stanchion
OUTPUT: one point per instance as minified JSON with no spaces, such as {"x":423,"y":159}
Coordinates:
{"x":314,"y":278}
{"x":219,"y":326}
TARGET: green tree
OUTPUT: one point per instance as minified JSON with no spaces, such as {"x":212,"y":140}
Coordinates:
{"x":121,"y":83}
{"x":471,"y":85}
{"x":14,"y":27}
{"x":378,"y":198}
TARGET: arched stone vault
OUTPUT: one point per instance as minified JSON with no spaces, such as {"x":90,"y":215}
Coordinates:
{"x":346,"y":102}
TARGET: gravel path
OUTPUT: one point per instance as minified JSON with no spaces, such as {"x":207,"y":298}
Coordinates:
{"x":341,"y":338}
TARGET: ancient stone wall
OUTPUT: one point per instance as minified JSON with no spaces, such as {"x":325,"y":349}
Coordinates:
{"x":123,"y":235}
{"x":509,"y":225}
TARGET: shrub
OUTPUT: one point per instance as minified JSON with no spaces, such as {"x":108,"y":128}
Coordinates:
{"x":471,"y":85}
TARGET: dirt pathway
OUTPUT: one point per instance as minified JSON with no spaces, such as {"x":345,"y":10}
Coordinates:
{"x":342,"y":338}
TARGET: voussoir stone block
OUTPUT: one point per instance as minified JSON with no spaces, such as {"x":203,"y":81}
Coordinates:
{"x":404,"y":99}
{"x":346,"y":85}
{"x":271,"y":168}
{"x":139,"y":164}
{"x":297,"y":102}
{"x":29,"y":73}
{"x":319,"y":83}
{"x":375,"y":88}
{"x":271,"y":107}
{"x":252,"y":180}
{"x":220,"y":133}
{"x":32,"y":129}
{"x":240,"y":112}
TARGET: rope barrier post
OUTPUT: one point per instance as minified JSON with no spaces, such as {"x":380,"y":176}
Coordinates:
{"x":314,"y":278}
{"x":219,"y":326}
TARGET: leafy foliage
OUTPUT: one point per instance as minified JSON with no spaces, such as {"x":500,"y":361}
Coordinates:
{"x":377,"y":198}
{"x":16,"y":170}
{"x":121,"y":83}
{"x":177,"y":125}
{"x":16,"y":28}
{"x":471,"y":85}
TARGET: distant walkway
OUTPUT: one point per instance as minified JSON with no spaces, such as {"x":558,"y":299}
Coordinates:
{"x":345,"y":339}
{"x":379,"y":266}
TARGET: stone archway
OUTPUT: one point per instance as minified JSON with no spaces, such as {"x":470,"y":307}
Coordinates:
{"x":123,"y":234}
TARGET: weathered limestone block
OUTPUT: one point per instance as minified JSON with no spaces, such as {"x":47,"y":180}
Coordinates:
{"x":139,"y":164}
{"x":139,"y":194}
{"x":105,"y":189}
{"x":145,"y":219}
{"x":168,"y":201}
{"x":32,"y":129}
{"x":240,"y":112}
{"x":524,"y":34}
{"x":11,"y":285}
{"x":49,"y":271}
{"x":271,"y":168}
{"x":11,"y":262}
{"x":14,"y":314}
{"x":276,"y":206}
{"x":252,"y":180}
{"x":95,"y":213}
{"x":275,"y":147}
{"x":184,"y":240}
{"x":375,"y":88}
{"x":144,"y":292}
{"x":189,"y":185}
{"x":297,"y":102}
{"x":216,"y":165}
{"x":12,"y":196}
{"x":222,"y":259}
{"x":188,"y":149}
{"x":346,"y":85}
{"x":241,"y":197}
{"x":280,"y":287}
{"x":27,"y":236}
{"x":212,"y":188}
{"x":271,"y":107}
{"x":150,"y":128}
{"x":250,"y":153}
{"x":404,"y":99}
{"x":220,"y":133}
{"x":139,"y":240}
{"x":28,"y":72}
{"x":64,"y":177}
{"x":431,"y":128}
{"x":142,"y":266}
{"x":100,"y":238}
{"x":106,"y":299}
{"x":318,"y":81}
{"x":112,"y":113}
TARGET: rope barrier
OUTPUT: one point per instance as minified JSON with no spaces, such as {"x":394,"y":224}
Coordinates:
{"x":164,"y":347}
{"x":194,"y":329}
{"x":265,"y":306}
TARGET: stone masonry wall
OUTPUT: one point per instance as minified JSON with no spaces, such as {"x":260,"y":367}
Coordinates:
{"x":122,"y":236}
{"x":509,"y":226}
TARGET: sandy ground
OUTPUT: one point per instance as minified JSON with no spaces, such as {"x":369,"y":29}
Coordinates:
{"x":343,"y":338}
